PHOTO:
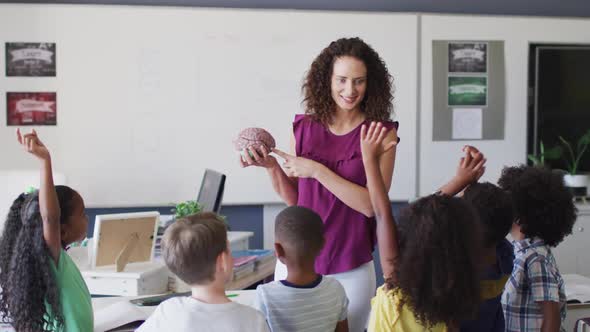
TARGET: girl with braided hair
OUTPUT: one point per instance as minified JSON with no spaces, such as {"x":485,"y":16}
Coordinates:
{"x":41,"y":287}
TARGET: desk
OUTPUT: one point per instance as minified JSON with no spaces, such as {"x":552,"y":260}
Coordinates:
{"x":238,"y":241}
{"x":259,"y":274}
{"x":106,"y":317}
{"x":575,"y":312}
{"x":575,"y":283}
{"x":266,"y":270}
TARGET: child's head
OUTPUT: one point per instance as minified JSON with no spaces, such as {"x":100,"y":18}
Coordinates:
{"x":74,"y":221}
{"x":544,"y":207}
{"x":494,"y":208}
{"x":437,"y":269}
{"x":195,"y":248}
{"x":26,"y":279}
{"x":365,"y":73}
{"x":299,"y":236}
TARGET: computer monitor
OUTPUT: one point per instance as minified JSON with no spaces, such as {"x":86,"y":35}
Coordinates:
{"x":115,"y":232}
{"x":211,"y":191}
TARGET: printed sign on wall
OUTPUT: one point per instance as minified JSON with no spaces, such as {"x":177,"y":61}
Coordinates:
{"x":467,"y":91}
{"x":30,"y":59}
{"x":468,"y":57}
{"x":31,"y":109}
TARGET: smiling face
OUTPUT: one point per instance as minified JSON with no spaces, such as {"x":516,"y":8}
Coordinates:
{"x":349,"y":83}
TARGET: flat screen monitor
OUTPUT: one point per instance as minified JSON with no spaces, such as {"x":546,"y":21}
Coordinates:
{"x":211,"y":191}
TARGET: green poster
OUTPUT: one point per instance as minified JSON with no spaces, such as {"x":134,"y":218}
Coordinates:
{"x":467,"y":91}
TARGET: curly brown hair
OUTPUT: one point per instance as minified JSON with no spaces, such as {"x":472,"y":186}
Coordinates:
{"x":317,"y":98}
{"x":437,"y":269}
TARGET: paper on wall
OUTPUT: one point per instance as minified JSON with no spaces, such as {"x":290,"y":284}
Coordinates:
{"x":467,"y":123}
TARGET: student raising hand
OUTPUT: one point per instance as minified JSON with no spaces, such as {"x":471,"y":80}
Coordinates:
{"x":48,"y":201}
{"x":373,"y":140}
{"x":41,"y":288}
{"x":32,"y":144}
{"x":371,"y":147}
{"x":471,"y":168}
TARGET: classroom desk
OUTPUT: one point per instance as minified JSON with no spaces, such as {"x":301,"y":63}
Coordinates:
{"x":103,"y":316}
{"x":574,"y":313}
{"x":237,"y":240}
{"x":259,"y":275}
{"x":575,"y":283}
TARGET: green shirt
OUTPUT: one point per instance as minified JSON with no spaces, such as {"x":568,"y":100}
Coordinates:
{"x":76,"y":304}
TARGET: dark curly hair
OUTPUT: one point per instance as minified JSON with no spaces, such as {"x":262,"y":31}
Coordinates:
{"x":544,"y":207}
{"x":317,"y":97}
{"x":494,"y":208}
{"x":27,"y":282}
{"x":437,"y":268}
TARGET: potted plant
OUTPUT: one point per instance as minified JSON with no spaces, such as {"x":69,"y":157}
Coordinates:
{"x":186,"y":208}
{"x":572,"y":159}
{"x":549,"y":154}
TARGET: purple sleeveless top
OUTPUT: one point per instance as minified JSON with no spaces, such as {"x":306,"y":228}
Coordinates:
{"x":350,"y":236}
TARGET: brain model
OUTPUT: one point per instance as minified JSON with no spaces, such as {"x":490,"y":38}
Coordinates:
{"x":254,"y":137}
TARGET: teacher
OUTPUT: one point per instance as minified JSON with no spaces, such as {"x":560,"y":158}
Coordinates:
{"x":348,"y":85}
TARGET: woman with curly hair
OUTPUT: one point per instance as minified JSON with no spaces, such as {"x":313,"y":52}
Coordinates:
{"x":41,"y":287}
{"x":348,"y":85}
{"x":430,"y":260}
{"x":534,"y":297}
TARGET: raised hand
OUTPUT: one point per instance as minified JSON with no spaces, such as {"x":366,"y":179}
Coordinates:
{"x":372,"y":140}
{"x":32,"y":144}
{"x":472,"y":166}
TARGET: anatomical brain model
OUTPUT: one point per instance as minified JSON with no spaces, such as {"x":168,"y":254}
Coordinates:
{"x":254,"y":137}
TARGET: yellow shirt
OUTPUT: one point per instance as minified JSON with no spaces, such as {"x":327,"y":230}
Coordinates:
{"x":385,"y":315}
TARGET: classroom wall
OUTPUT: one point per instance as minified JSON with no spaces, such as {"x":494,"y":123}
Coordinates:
{"x":575,"y":8}
{"x":117,"y":155}
{"x":439,"y":159}
{"x":148,"y":97}
{"x":435,"y":161}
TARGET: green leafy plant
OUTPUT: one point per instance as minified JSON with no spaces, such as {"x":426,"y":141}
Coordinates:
{"x":186,"y":208}
{"x":573,"y":157}
{"x":549,"y":154}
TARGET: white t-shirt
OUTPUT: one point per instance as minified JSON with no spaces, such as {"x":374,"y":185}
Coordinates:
{"x":188,"y":314}
{"x":316,"y":307}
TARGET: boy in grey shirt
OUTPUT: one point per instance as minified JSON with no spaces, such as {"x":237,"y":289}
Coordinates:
{"x":195,"y":248}
{"x":305,"y":301}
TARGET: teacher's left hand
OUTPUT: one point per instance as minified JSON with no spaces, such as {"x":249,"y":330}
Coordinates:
{"x":298,"y":166}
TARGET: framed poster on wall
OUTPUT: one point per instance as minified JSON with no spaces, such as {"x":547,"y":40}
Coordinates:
{"x":468,"y":57}
{"x":468,"y":87}
{"x":31,"y":109}
{"x":468,"y":91}
{"x":30,"y":59}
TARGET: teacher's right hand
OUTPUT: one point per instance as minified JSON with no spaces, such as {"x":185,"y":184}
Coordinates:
{"x":257,"y":157}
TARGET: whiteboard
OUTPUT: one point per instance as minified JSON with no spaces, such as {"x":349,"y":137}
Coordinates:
{"x":148,"y":97}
